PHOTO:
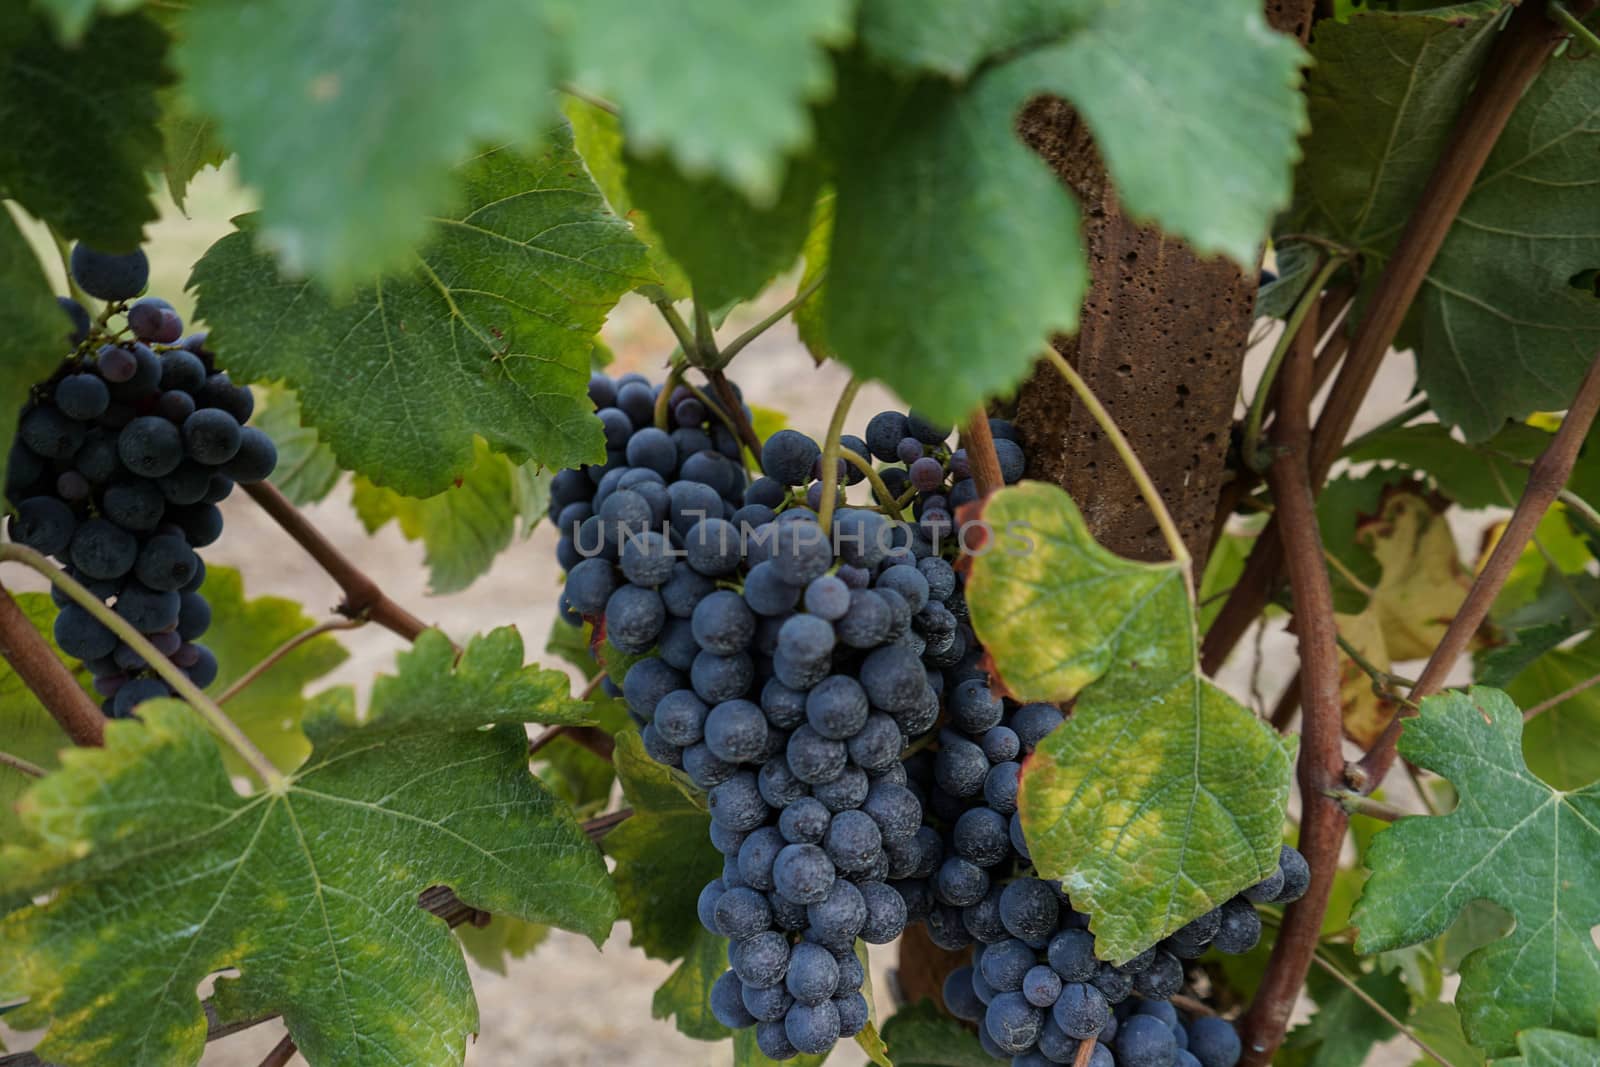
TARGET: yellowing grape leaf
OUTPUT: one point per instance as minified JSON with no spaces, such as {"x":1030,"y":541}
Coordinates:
{"x":1512,"y":840}
{"x":154,"y":872}
{"x":1160,"y":797}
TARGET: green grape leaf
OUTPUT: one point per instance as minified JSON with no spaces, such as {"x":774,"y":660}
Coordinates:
{"x":663,"y":857}
{"x":1552,"y":1048}
{"x":306,"y":471}
{"x":309,"y":890}
{"x":463,"y":528}
{"x":1297,"y":263}
{"x":1562,"y":744}
{"x":490,"y":333}
{"x":734,"y":110}
{"x":33,"y":331}
{"x":1196,"y":110}
{"x":598,"y":137}
{"x":1492,"y":474}
{"x":1344,"y":1028}
{"x":943,"y":215}
{"x":1500,"y":332}
{"x":81,"y":128}
{"x":191,"y":144}
{"x":27,"y":728}
{"x":577,"y":775}
{"x":728,"y":247}
{"x":243,"y":633}
{"x":953,"y":39}
{"x":424,"y":86}
{"x":502,"y":940}
{"x":1160,"y":797}
{"x":920,"y":1035}
{"x":1440,"y":1026}
{"x":685,"y":996}
{"x":810,"y":318}
{"x":1512,"y":840}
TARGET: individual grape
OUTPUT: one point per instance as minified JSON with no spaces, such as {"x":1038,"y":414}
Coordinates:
{"x":803,"y":873}
{"x":908,"y":451}
{"x":1034,"y":722}
{"x":717,"y":678}
{"x":150,"y":446}
{"x":885,"y":431}
{"x":116,"y":364}
{"x":256,"y":458}
{"x":926,"y":473}
{"x":107,"y":275}
{"x":712,"y":547}
{"x":166,"y":563}
{"x":960,"y":766}
{"x":212,"y":436}
{"x":1266,"y":890}
{"x":136,"y":692}
{"x":894,"y":678}
{"x":736,"y":731}
{"x":840,"y":915}
{"x":742,"y":912}
{"x":813,"y":972}
{"x":815,"y":759}
{"x":634,"y":617}
{"x":727,"y":1003}
{"x":1144,"y":1041}
{"x":1114,"y":983}
{"x":1296,"y":876}
{"x":925,"y":429}
{"x":723,"y":623}
{"x":149,"y":610}
{"x":49,"y":433}
{"x":981,"y":835}
{"x":959,"y":998}
{"x":153,"y":319}
{"x":1190,"y":941}
{"x":1012,"y":1022}
{"x":201,"y":523}
{"x":1213,"y":1041}
{"x":685,"y":589}
{"x":767,"y":1003}
{"x":1071,"y":955}
{"x":853,"y":1013}
{"x":1012,"y":462}
{"x":960,"y":882}
{"x":680,"y":717}
{"x":812,"y":1028}
{"x":706,"y":905}
{"x":886,"y":913}
{"x":1240,"y":928}
{"x":845,"y":791}
{"x":804,"y":821}
{"x":1162,"y":980}
{"x":876,"y":746}
{"x":81,"y":635}
{"x":788,"y":457}
{"x":852,"y":840}
{"x":866,"y":623}
{"x":737,"y":804}
{"x":181,"y":371}
{"x":766,"y":593}
{"x":799,"y":550}
{"x":82,"y":396}
{"x":44,"y":524}
{"x":194,"y":615}
{"x":1029,"y":909}
{"x":1080,"y":1010}
{"x":647,"y":683}
{"x":102,"y":550}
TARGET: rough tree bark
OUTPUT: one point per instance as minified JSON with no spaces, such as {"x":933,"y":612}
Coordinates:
{"x":1162,"y":343}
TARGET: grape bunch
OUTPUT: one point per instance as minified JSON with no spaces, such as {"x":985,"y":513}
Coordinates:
{"x":120,"y":460}
{"x":1037,"y":988}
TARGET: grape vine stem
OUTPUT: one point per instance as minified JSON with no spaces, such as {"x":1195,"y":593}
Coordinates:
{"x":42,"y":671}
{"x":225,"y":727}
{"x":20,"y":765}
{"x":1518,"y":55}
{"x":281,"y":1053}
{"x":830,"y":452}
{"x":1561,"y":697}
{"x":1141,"y":477}
{"x":735,"y":346}
{"x":277,"y":654}
{"x":981,"y":456}
{"x":1321,"y":762}
{"x":879,"y":489}
{"x":1085,"y":1053}
{"x":1546,"y":478}
{"x":363,"y":597}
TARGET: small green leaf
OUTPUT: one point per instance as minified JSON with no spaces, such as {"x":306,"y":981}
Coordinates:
{"x":729,"y":248}
{"x":309,"y":891}
{"x":463,"y":528}
{"x":1551,"y":1048}
{"x":191,"y":144}
{"x":598,"y":137}
{"x":26,"y":727}
{"x":1562,"y":744}
{"x":943,"y":215}
{"x":33,"y":331}
{"x":722,"y":87}
{"x":1297,"y":264}
{"x":243,"y":633}
{"x":1196,"y":109}
{"x":923,"y":1036}
{"x":686,"y":994}
{"x":953,"y":39}
{"x":1512,"y":840}
{"x":810,"y":318}
{"x":1475,"y":476}
{"x":348,"y":116}
{"x":1160,"y":797}
{"x":1439,"y":1025}
{"x":306,"y":471}
{"x":490,"y":333}
{"x":663,"y":858}
{"x":81,"y":124}
{"x":504,"y":939}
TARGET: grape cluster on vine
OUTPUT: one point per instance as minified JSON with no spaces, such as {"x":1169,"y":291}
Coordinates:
{"x":810,"y":664}
{"x":120,"y":460}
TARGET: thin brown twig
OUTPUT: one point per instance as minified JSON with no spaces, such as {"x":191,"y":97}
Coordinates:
{"x":592,"y":738}
{"x":281,"y":1053}
{"x":1085,"y":1053}
{"x":1547,"y":477}
{"x":1520,"y":51}
{"x":1191,"y":1005}
{"x":17,"y":763}
{"x":363,"y":597}
{"x":736,"y":412}
{"x":1359,"y":804}
{"x":981,"y":456}
{"x":600,"y":825}
{"x":1321,"y":763}
{"x":1382,"y":1012}
{"x":276,"y":655}
{"x":1561,"y":697}
{"x":42,"y":671}
{"x":1288,"y":704}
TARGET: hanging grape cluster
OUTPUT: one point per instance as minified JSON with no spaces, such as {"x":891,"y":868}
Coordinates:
{"x":825,"y":688}
{"x":120,"y":460}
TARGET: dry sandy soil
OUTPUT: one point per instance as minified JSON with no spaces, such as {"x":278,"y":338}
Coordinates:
{"x":567,"y":1004}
